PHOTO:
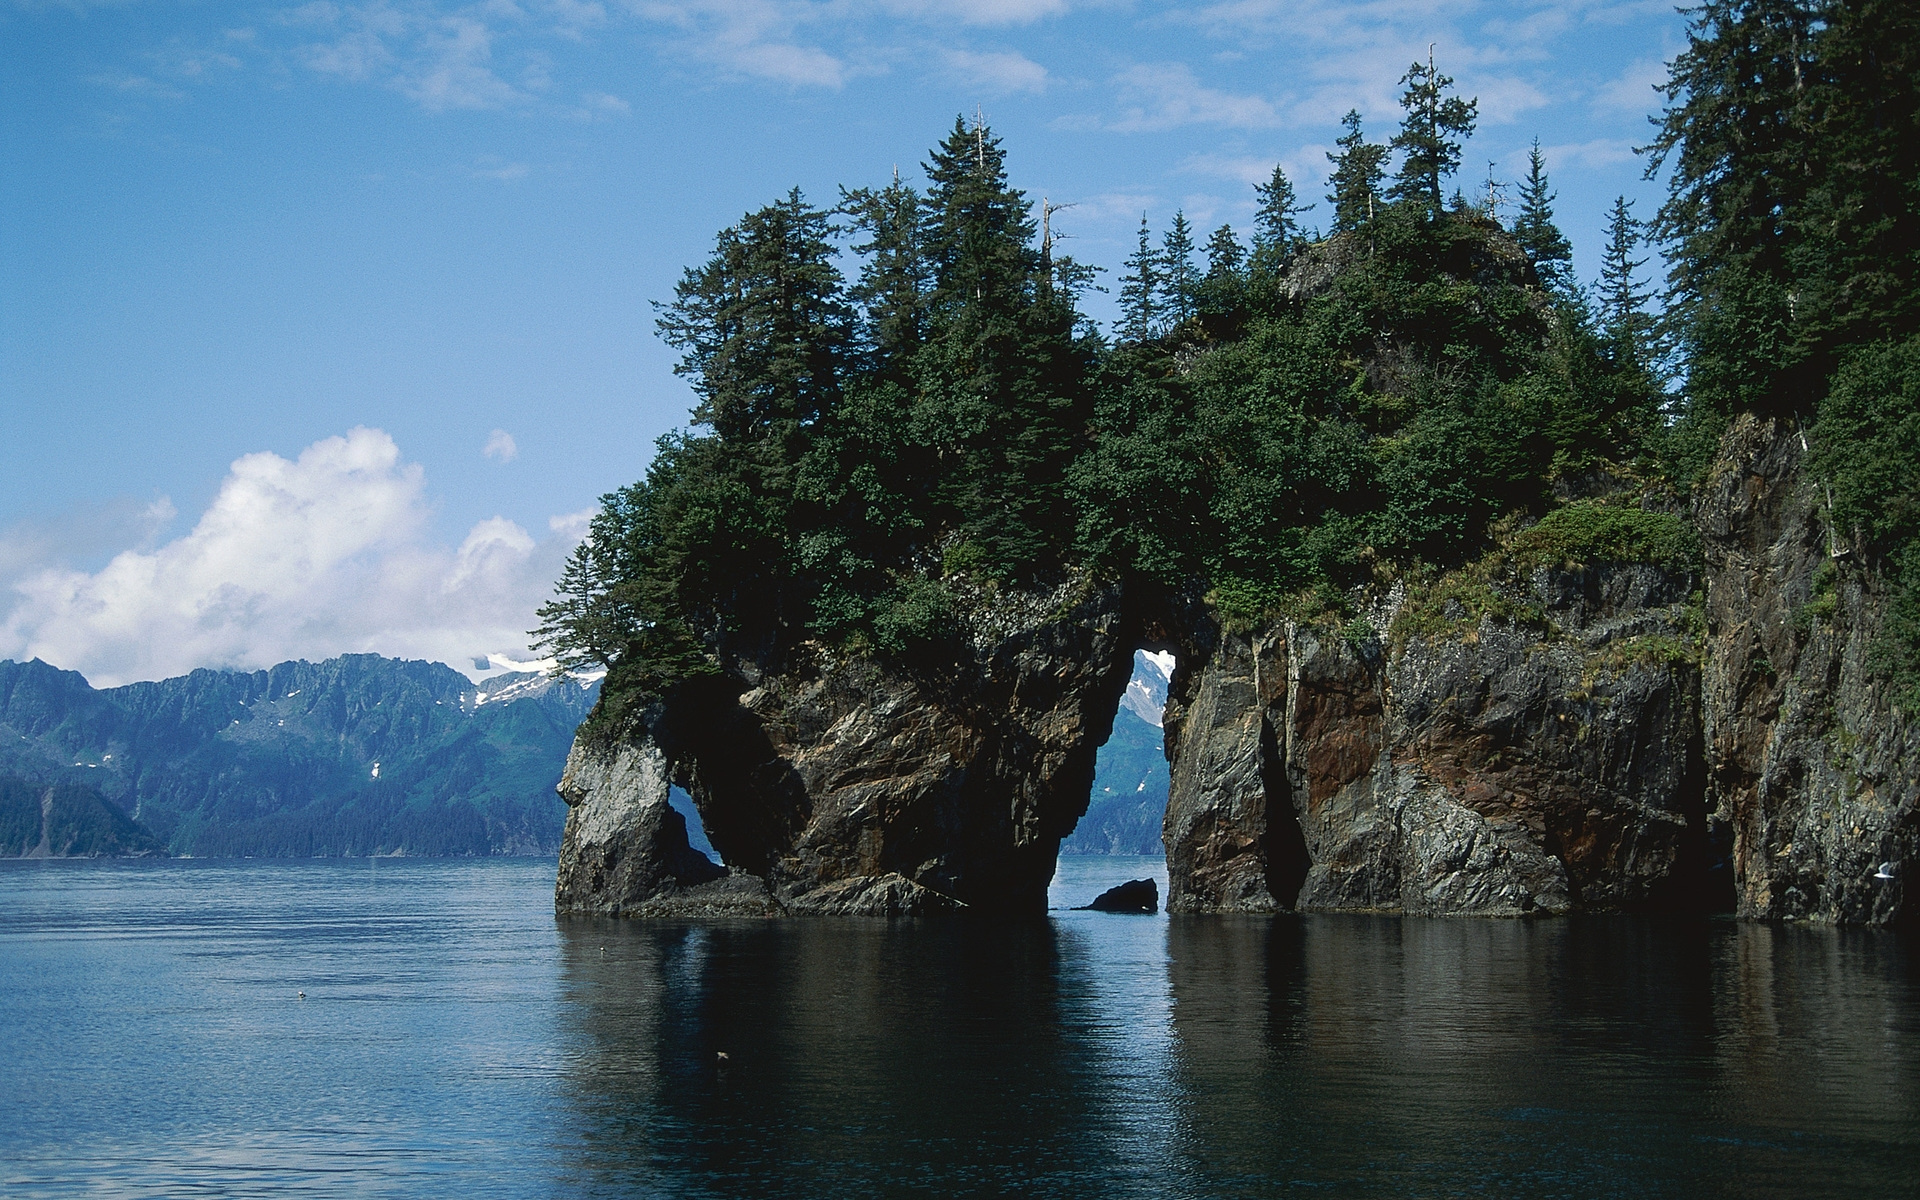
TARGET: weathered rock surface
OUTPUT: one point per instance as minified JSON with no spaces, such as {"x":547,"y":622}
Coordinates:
{"x":1497,"y":767}
{"x":1810,"y":766}
{"x":1607,"y":737}
{"x":851,"y":787}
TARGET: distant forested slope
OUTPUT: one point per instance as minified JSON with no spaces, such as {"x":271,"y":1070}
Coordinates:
{"x":64,"y":820}
{"x":355,"y":755}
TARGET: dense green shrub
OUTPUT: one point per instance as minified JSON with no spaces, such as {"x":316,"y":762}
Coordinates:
{"x":1866,"y":448}
{"x":1585,"y":534}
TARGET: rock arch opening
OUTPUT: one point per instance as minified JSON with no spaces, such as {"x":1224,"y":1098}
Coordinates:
{"x":697,"y":840}
{"x":1127,"y":805}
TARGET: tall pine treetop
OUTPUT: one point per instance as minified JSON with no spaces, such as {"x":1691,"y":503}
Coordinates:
{"x":1430,"y":136}
{"x":1623,"y":299}
{"x":1275,"y":229}
{"x":764,"y":324}
{"x":979,"y":232}
{"x":1547,"y":248}
{"x":1357,"y":169}
{"x":1179,"y":278}
{"x":1224,"y":254}
{"x":1140,"y":290}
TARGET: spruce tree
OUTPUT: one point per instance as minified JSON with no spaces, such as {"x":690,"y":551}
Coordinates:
{"x":1224,"y":254}
{"x":1547,"y":248}
{"x":1002,"y":376}
{"x":1792,"y":159}
{"x":1623,"y":299}
{"x":1275,"y":229}
{"x":1179,"y":278}
{"x":764,"y":325}
{"x":1357,"y":170}
{"x":1430,"y":136}
{"x":1140,"y":290}
{"x":895,"y":279}
{"x":977,"y":232}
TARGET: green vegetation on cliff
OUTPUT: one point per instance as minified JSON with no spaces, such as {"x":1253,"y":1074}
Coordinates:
{"x":63,"y":820}
{"x":1287,"y":419}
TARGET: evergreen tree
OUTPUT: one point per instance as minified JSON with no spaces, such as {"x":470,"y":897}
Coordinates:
{"x":764,"y":325}
{"x":1623,"y":299}
{"x":1002,"y":379}
{"x":1275,"y":229}
{"x":1430,"y":136}
{"x":1547,"y":248}
{"x":1224,"y":254}
{"x":1790,"y":137}
{"x":1357,"y":170}
{"x":977,"y":233}
{"x":895,"y":279}
{"x":1179,"y":278}
{"x":702,"y":550}
{"x":1140,"y":290}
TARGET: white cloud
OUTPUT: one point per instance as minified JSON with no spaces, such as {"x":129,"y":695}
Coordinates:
{"x":601,"y":104}
{"x":1159,"y":96}
{"x":999,"y":70}
{"x":456,"y":69}
{"x":1600,"y":152}
{"x":311,"y":557}
{"x":757,"y":38}
{"x":1632,"y":91}
{"x":495,"y":168}
{"x":440,"y":61}
{"x":501,"y":447}
{"x":980,"y":12}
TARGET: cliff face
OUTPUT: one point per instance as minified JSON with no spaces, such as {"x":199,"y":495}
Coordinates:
{"x":1508,"y":740}
{"x":849,"y":786}
{"x":1502,"y":765}
{"x":1810,"y":767}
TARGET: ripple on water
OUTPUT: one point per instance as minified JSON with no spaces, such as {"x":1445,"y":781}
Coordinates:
{"x":457,"y":1039}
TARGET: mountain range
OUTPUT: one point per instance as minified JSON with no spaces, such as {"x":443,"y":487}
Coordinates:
{"x":362,"y":755}
{"x":355,"y":755}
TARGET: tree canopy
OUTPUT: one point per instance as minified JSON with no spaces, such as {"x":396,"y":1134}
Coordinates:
{"x":1310,"y":414}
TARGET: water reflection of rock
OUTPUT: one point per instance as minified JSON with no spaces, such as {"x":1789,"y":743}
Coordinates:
{"x":977,"y":1056}
{"x":1413,"y":1056}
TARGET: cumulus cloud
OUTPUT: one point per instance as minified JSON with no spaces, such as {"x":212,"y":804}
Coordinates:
{"x":1159,"y":96}
{"x":500,"y":447}
{"x":980,"y":12}
{"x":323,"y":554}
{"x":1600,"y":152}
{"x":756,"y":38}
{"x":999,"y":70}
{"x":440,"y":60}
{"x":1350,"y":55}
{"x":1634,"y":90}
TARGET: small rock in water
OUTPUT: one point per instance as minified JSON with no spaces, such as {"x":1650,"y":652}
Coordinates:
{"x":1133,"y":896}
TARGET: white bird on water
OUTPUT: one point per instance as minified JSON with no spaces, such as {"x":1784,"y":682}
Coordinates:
{"x":1887,"y":870}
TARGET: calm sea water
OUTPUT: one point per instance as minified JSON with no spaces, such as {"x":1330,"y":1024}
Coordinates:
{"x":457,"y":1040}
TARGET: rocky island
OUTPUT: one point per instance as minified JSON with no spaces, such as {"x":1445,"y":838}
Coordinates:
{"x":1475,"y":609}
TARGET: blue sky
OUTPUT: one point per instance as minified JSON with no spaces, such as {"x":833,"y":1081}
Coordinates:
{"x":321,"y":323}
